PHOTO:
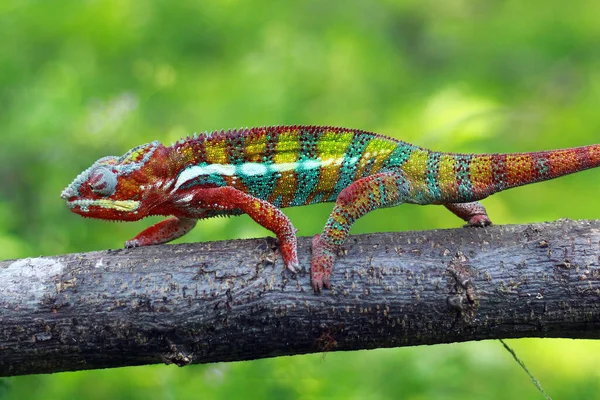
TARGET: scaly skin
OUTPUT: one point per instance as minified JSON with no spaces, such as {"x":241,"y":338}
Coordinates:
{"x":258,"y":171}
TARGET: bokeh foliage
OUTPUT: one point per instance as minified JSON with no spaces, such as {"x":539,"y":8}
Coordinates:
{"x":84,"y":79}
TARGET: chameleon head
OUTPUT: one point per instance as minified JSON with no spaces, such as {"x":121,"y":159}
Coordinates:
{"x":113,"y":188}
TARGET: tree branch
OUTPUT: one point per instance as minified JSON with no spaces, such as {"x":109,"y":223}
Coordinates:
{"x":227,"y":301}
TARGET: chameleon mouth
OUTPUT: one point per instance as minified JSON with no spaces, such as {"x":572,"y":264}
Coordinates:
{"x":116,"y":205}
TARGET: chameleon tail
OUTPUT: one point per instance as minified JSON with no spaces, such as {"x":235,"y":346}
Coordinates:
{"x":492,"y":173}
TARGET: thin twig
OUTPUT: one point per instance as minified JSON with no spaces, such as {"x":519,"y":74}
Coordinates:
{"x":522,"y":364}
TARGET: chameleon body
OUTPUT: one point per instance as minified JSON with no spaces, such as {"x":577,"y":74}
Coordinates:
{"x":258,"y":171}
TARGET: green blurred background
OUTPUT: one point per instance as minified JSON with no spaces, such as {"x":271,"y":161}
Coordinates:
{"x":84,"y":79}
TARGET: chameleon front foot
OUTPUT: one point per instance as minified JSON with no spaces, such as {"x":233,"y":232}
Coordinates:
{"x":478,"y":221}
{"x":162,"y":232}
{"x":289,"y":254}
{"x":321,"y":265}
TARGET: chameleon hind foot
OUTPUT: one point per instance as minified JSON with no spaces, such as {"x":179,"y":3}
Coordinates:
{"x":321,"y":264}
{"x":478,"y":221}
{"x":473,"y":213}
{"x":162,"y":232}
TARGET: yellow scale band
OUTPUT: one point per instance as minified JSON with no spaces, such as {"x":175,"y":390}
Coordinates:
{"x":446,"y":175}
{"x":481,"y":172}
{"x":255,"y":147}
{"x":216,"y":152}
{"x":330,"y":150}
{"x":415,"y":169}
{"x":519,"y":166}
{"x":287,"y":151}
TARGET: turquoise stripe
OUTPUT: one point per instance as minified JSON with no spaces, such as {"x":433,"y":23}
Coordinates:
{"x":307,"y":179}
{"x":348,"y":168}
{"x":431,"y":176}
{"x":399,"y":156}
{"x":261,"y":186}
{"x":462,"y":170}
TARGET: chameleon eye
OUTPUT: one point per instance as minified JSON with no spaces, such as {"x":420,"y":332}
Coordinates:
{"x":103,"y":181}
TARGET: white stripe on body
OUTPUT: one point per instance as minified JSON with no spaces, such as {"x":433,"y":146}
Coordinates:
{"x":191,"y":173}
{"x":252,"y":169}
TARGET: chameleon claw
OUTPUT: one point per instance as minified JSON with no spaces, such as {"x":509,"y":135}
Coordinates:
{"x":316,"y":282}
{"x":132,"y":243}
{"x":321,"y":264}
{"x":289,"y":254}
{"x":319,"y":282}
{"x":292,"y":266}
{"x":478,"y":221}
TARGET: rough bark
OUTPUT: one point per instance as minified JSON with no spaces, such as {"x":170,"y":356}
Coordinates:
{"x":227,"y":301}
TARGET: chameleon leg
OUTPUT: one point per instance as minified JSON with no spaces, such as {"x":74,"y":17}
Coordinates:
{"x":376,"y":191}
{"x":228,"y":198}
{"x":162,"y":232}
{"x":474,"y":213}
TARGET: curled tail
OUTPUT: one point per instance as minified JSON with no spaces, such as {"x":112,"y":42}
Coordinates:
{"x":470,"y":177}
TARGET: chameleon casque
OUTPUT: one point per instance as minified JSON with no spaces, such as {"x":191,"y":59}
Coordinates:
{"x":258,"y":171}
